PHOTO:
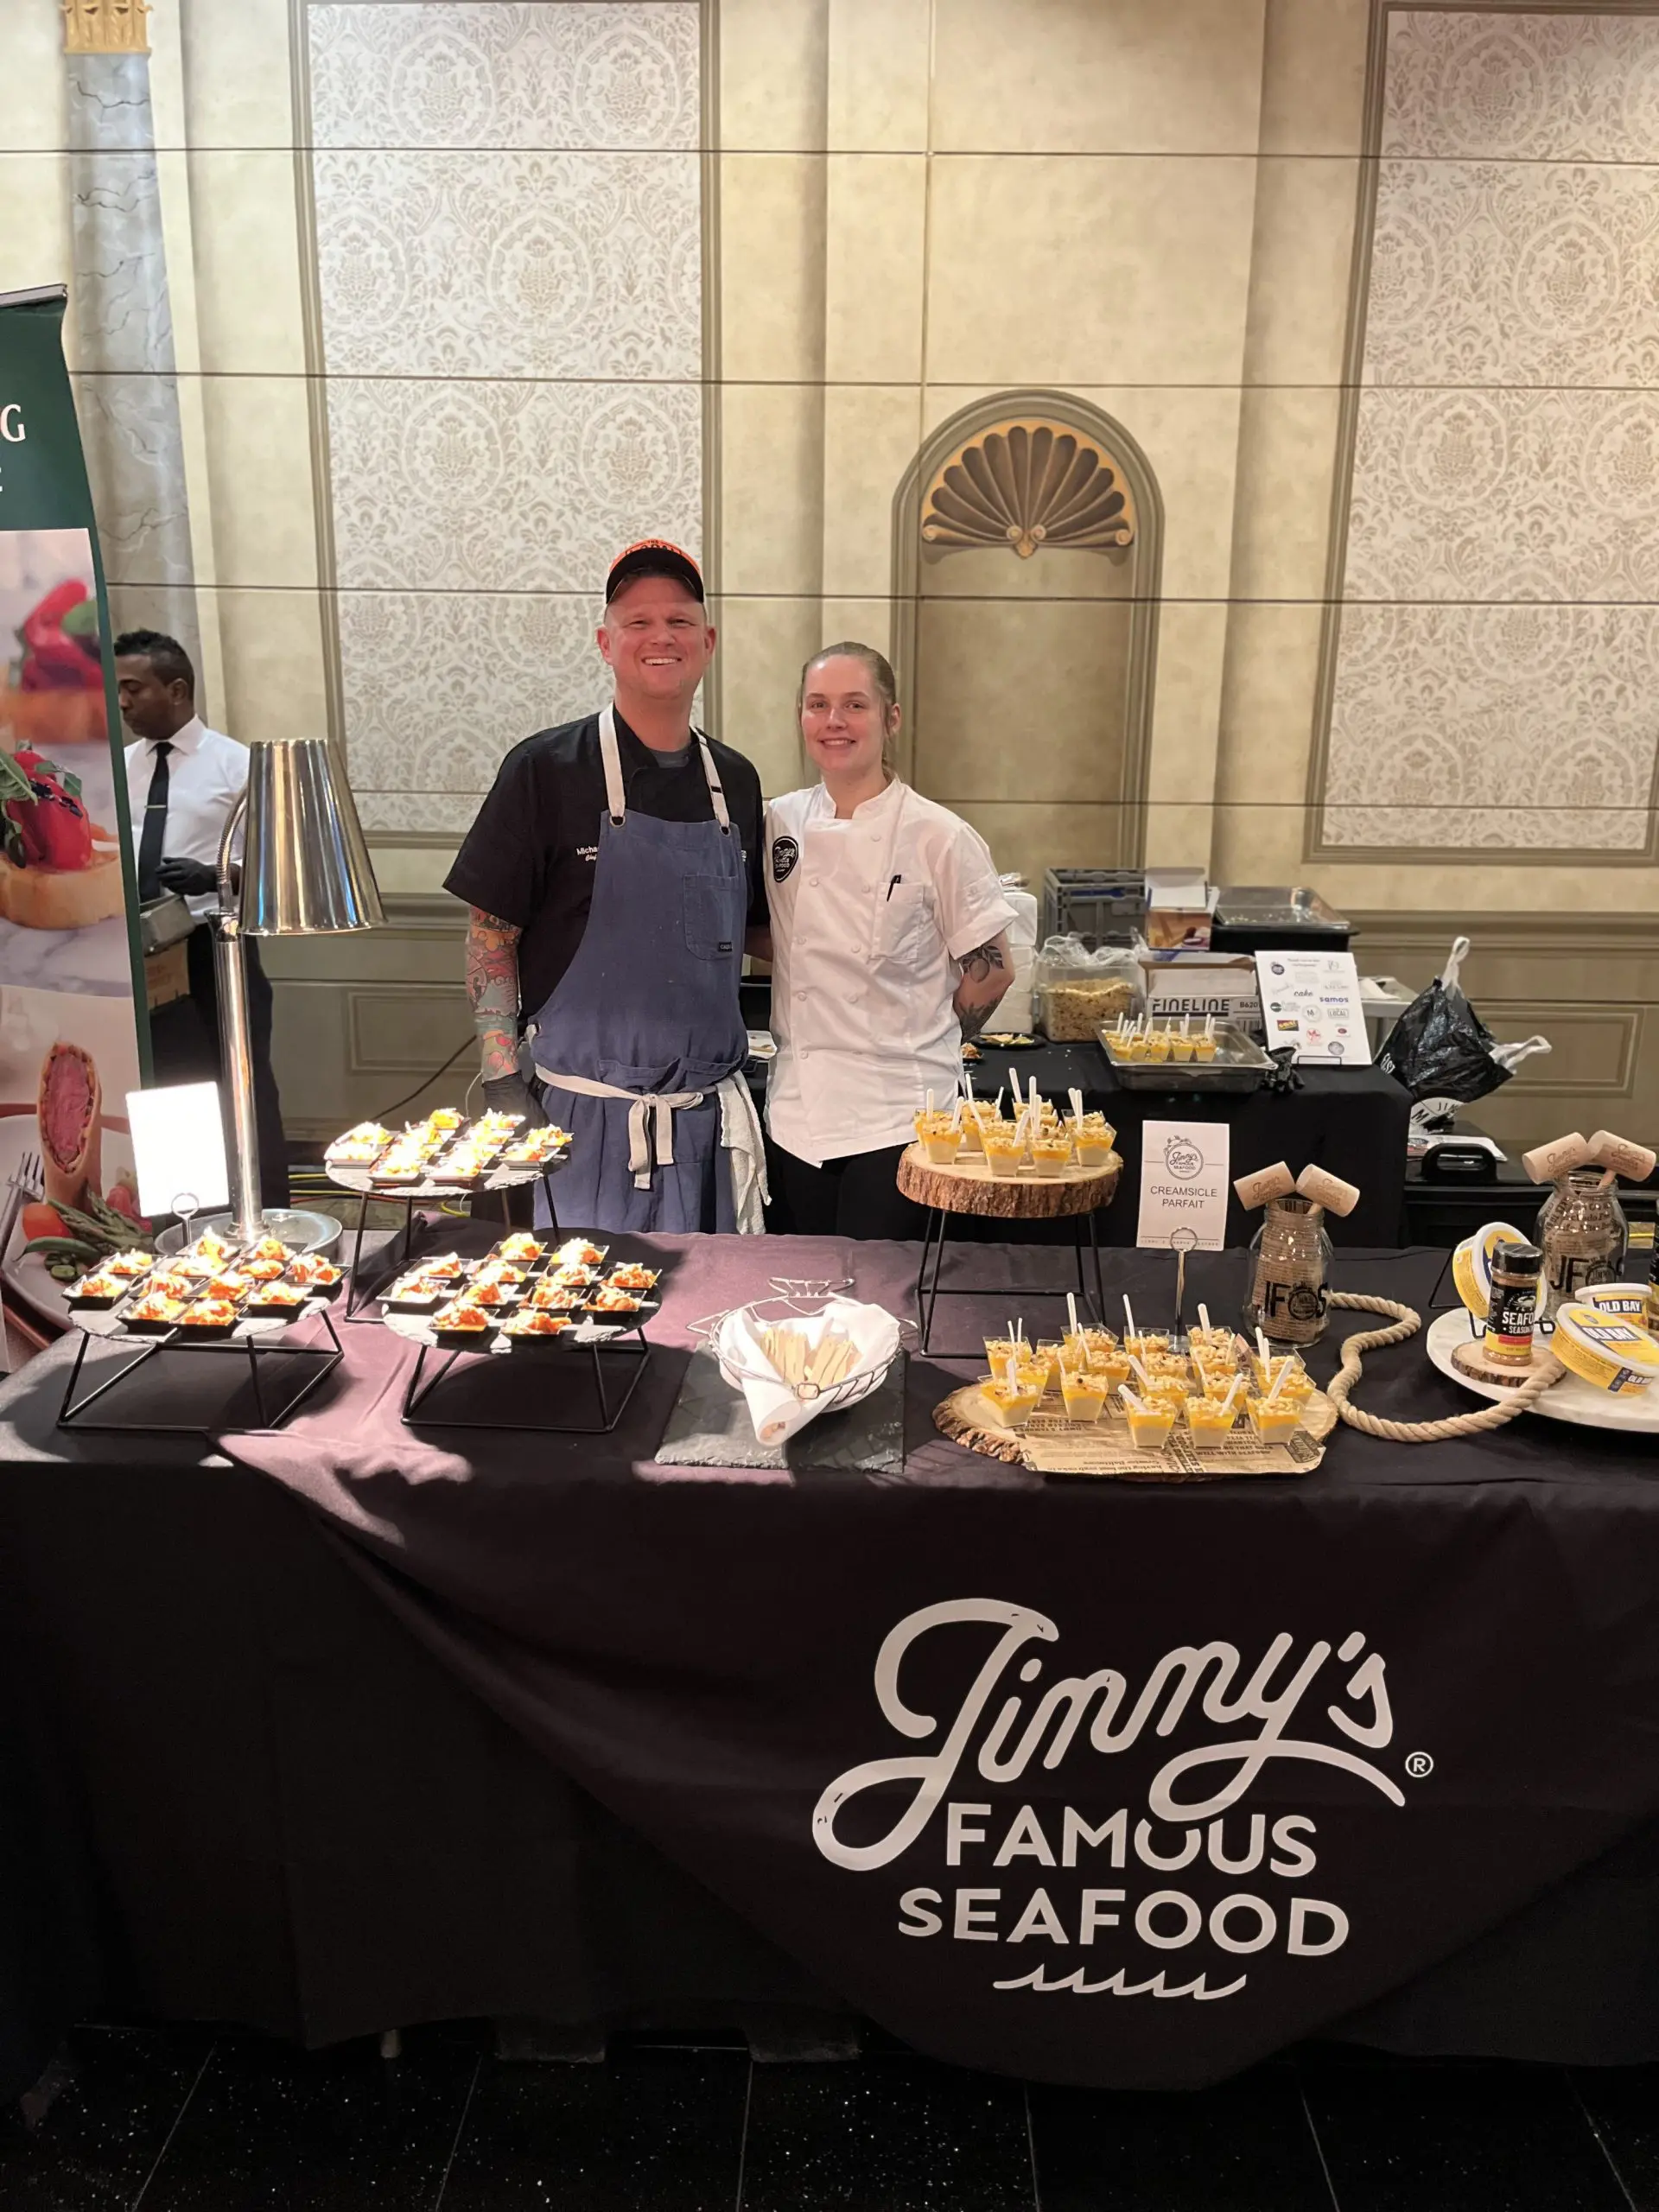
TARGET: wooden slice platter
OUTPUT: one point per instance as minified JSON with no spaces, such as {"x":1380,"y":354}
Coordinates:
{"x":969,"y":1186}
{"x":1102,"y":1449}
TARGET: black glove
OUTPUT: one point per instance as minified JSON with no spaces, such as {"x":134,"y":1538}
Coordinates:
{"x":188,"y":878}
{"x":511,"y":1094}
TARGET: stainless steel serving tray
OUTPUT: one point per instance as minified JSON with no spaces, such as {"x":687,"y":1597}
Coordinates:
{"x":1240,"y":1065}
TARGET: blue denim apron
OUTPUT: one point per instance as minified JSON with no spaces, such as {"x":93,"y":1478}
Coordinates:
{"x":645,"y":1022}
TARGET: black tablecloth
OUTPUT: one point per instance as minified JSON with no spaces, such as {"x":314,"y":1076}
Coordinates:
{"x":1351,"y":1120}
{"x":389,"y":1733}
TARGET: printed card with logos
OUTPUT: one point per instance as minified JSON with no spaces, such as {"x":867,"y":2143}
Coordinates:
{"x":1183,"y":1185}
{"x":1311,"y":1000}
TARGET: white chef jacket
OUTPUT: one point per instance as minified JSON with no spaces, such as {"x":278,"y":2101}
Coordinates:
{"x":206,"y":774}
{"x":870,"y":917}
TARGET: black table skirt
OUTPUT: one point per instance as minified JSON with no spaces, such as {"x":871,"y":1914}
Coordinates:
{"x":240,"y":1784}
{"x":1351,"y":1121}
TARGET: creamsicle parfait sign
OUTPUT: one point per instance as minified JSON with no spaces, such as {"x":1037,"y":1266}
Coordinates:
{"x":1036,"y":1854}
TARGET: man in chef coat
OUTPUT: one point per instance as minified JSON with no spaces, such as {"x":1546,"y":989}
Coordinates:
{"x":183,"y":781}
{"x":613,"y":874}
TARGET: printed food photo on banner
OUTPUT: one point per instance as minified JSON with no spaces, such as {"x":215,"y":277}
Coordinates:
{"x":62,"y":898}
{"x":68,"y":1192}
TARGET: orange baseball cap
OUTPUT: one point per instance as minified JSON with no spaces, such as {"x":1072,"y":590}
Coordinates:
{"x":653,"y":556}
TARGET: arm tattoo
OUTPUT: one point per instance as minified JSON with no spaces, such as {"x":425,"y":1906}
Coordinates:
{"x":984,"y":960}
{"x":492,"y":988}
{"x":985,"y":978}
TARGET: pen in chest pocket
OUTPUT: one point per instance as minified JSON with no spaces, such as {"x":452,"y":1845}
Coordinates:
{"x":895,"y":879}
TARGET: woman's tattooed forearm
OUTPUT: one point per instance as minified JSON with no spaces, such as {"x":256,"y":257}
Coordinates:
{"x":985,"y":960}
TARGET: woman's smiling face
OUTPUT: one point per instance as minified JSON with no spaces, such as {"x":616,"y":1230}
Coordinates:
{"x":845,"y":722}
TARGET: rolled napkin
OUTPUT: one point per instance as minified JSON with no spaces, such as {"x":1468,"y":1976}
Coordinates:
{"x":776,"y":1408}
{"x":1274,"y":1182}
{"x":1326,"y":1190}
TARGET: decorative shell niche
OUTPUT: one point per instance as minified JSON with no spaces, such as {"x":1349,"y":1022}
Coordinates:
{"x":1027,"y":550}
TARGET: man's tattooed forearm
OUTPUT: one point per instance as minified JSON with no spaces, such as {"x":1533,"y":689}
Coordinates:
{"x":983,"y":961}
{"x":492,"y":988}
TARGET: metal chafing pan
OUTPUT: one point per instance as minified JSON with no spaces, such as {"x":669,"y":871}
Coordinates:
{"x":1239,"y":1065}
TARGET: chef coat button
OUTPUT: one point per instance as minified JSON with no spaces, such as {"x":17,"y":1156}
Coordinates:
{"x":800,"y":995}
{"x":813,"y":881}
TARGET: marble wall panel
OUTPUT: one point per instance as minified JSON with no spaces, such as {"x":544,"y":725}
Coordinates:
{"x":436,"y":691}
{"x":513,"y":265}
{"x":493,"y":73}
{"x":1521,"y":86}
{"x":1508,"y":272}
{"x":502,"y":485}
{"x":508,"y":264}
{"x":1493,"y":684}
{"x":1519,"y":728}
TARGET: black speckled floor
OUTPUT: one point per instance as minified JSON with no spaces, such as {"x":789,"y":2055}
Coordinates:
{"x":186,"y":2120}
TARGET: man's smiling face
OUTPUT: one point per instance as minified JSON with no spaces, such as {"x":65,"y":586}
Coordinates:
{"x":656,"y":640}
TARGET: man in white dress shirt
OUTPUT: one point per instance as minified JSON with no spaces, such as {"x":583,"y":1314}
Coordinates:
{"x":183,"y":781}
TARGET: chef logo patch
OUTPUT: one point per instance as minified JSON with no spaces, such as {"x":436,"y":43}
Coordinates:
{"x":784,"y":854}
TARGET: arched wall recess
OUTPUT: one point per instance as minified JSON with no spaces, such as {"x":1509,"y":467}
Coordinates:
{"x":1027,"y":557}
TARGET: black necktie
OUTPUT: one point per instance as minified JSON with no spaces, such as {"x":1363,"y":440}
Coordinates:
{"x":154,"y":829}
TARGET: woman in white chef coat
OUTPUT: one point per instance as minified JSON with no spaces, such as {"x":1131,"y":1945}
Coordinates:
{"x":889,"y":933}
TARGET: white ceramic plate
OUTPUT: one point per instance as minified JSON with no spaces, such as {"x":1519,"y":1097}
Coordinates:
{"x":1571,"y":1399}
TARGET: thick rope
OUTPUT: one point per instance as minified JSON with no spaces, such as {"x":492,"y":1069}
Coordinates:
{"x":1546,"y":1370}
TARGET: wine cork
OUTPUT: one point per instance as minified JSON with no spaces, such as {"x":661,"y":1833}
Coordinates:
{"x":1560,"y":1157}
{"x":1635,"y":1162}
{"x":1328,"y":1190}
{"x":1274,"y":1182}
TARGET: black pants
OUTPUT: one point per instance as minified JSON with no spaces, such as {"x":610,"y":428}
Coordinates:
{"x":854,"y":1196}
{"x":184,"y":1046}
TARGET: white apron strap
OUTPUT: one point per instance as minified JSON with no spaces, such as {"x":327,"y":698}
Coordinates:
{"x":611,"y":757}
{"x":615,"y":799}
{"x":717,"y":791}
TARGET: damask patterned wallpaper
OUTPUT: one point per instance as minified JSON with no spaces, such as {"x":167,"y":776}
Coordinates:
{"x":509,"y":271}
{"x":1496,"y":677}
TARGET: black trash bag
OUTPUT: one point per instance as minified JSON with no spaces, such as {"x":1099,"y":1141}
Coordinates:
{"x":1440,"y":1048}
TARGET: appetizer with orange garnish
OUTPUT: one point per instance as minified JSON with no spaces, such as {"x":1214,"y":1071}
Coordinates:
{"x":523,"y":1249}
{"x":629,"y":1276}
{"x":533,"y":1322}
{"x":465,"y":1326}
{"x":612,"y":1301}
{"x":216,"y":1315}
{"x":317,"y":1275}
{"x":129,"y":1265}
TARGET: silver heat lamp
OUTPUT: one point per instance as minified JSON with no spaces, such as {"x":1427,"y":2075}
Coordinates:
{"x":305,"y":872}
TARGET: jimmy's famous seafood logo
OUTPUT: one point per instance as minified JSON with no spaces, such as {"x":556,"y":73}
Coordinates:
{"x":1323,"y":1705}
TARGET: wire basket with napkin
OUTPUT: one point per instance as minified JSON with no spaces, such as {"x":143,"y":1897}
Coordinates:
{"x":804,"y":1351}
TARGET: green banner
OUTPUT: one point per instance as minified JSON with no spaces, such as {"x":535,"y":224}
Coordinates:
{"x":73,"y":1031}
